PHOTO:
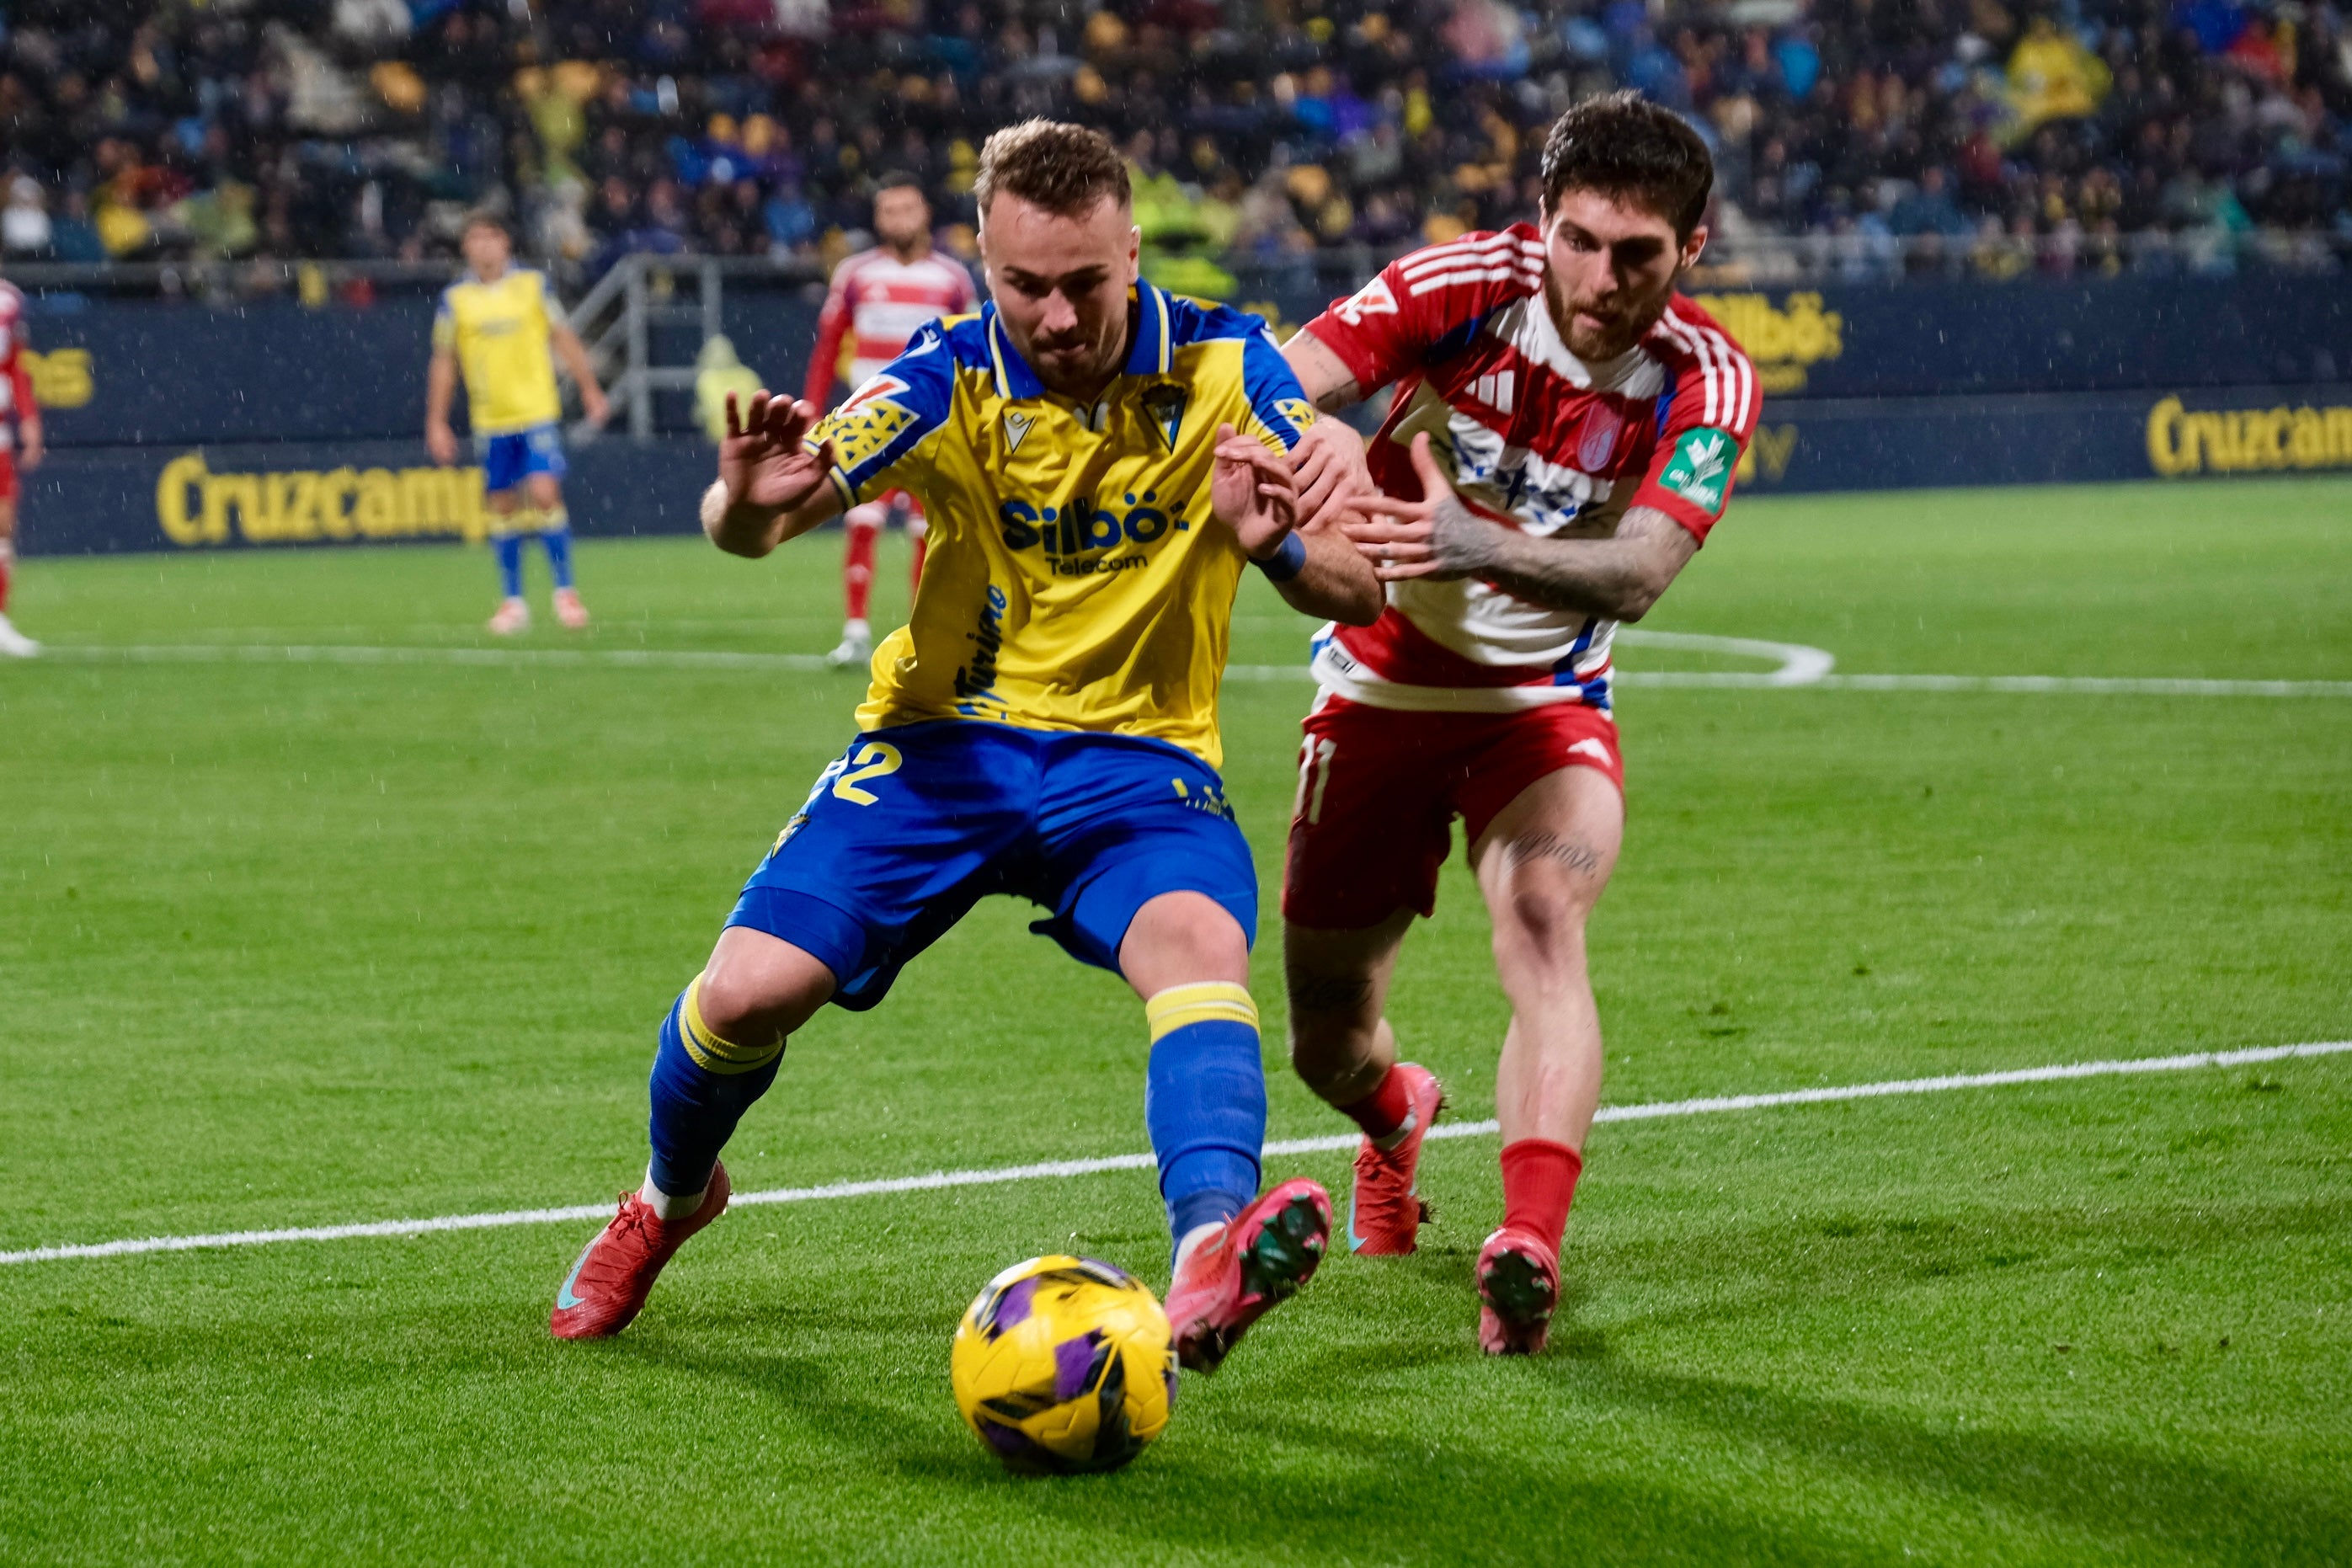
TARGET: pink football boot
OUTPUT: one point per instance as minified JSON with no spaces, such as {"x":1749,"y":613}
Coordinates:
{"x":1234,"y":1277}
{"x":1519,"y":1285}
{"x":1383,"y":1213}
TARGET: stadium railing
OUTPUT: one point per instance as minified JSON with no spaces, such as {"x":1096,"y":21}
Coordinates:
{"x":1734,"y":256}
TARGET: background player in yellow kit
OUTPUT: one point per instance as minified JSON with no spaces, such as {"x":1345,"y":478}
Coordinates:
{"x":1099,"y":462}
{"x":497,"y":325}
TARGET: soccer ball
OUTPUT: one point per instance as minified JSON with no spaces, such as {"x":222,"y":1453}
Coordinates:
{"x":1065,"y":1364}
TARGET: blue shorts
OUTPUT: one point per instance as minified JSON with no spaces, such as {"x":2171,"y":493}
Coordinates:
{"x":508,"y":461}
{"x":914,"y":824}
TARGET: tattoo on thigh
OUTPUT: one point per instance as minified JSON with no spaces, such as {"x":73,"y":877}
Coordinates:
{"x":1329,"y":993}
{"x":1552,"y":847}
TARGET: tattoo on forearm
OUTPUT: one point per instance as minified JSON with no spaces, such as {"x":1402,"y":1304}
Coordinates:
{"x":1347,"y":394}
{"x":1329,"y":993}
{"x":1620,"y":577}
{"x":1463,"y":543}
{"x":1567,"y":852}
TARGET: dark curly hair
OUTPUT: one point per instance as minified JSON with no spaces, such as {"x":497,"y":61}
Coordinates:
{"x":1625,"y":147}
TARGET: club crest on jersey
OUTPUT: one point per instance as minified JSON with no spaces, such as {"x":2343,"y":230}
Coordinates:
{"x":1598,"y":439}
{"x":1016,"y":430}
{"x":1701,"y":470}
{"x":1165,"y":406}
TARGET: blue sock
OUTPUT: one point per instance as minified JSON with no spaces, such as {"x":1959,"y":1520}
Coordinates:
{"x":556,"y":537}
{"x":1205,"y":1102}
{"x":701,"y":1087}
{"x":509,"y":548}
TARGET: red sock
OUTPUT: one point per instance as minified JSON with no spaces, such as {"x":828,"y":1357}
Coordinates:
{"x":915,"y":576}
{"x":857,"y":571}
{"x":1383,"y":1110}
{"x":1539,"y":1183}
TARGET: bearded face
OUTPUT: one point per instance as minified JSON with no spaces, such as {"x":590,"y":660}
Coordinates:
{"x":1610,"y":266}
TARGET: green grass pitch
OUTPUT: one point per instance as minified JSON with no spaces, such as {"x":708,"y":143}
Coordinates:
{"x":289,"y":943}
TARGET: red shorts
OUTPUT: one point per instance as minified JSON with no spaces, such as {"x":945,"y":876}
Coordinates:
{"x":7,"y":476}
{"x":1379,"y":789}
{"x":907,"y":504}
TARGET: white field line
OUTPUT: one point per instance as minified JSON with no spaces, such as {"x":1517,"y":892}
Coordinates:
{"x":1052,"y":1169}
{"x":1795,"y":674}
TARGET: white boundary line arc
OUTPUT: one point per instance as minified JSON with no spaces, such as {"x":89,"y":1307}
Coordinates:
{"x":1799,"y":663}
{"x":1799,"y":675}
{"x":1047,"y":1170}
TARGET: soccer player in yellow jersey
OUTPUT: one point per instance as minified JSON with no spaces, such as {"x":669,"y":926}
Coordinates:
{"x":1099,"y":462}
{"x":497,"y":325}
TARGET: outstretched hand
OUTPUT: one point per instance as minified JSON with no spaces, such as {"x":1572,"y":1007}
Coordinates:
{"x":1251,"y":492}
{"x":762,"y":460}
{"x":1435,"y":536}
{"x":1332,"y":472}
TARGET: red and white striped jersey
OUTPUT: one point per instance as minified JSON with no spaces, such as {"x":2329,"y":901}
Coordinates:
{"x":16,"y":380}
{"x":1532,"y":437}
{"x":878,"y":302}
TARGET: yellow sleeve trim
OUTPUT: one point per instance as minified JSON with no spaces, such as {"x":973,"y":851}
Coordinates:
{"x":1210,"y":1002}
{"x":712,"y":1054}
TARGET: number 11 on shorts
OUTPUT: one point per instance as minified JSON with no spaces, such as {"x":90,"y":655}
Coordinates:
{"x":1314,"y":778}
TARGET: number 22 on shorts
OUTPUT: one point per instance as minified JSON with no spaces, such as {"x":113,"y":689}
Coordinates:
{"x":872,"y":762}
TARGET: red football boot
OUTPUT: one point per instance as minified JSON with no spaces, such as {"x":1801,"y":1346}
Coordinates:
{"x":1519,"y":1285}
{"x":610,"y":1283}
{"x":1231,"y":1279}
{"x":1383,"y":1212}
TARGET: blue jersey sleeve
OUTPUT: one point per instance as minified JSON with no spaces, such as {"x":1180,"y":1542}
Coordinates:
{"x":1266,"y":399}
{"x":881,"y":433}
{"x":1271,"y":386}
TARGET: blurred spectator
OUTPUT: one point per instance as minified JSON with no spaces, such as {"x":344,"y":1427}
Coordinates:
{"x":1260,"y":133}
{"x":25,"y":229}
{"x":718,"y":372}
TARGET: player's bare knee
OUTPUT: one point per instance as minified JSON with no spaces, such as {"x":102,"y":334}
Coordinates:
{"x":1333,"y":1020}
{"x":755,"y":996}
{"x":1540,"y":924}
{"x":1178,"y":938}
{"x":734,"y":1009}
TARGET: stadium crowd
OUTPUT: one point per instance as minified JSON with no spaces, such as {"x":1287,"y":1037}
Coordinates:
{"x":1261,"y":130}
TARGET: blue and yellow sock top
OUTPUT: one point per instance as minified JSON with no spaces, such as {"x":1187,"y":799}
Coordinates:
{"x":711,"y":1053}
{"x":1208,"y":1002}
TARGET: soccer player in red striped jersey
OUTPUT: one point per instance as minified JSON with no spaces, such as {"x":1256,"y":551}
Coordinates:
{"x":879,"y":300}
{"x":1565,"y":432}
{"x":20,"y":448}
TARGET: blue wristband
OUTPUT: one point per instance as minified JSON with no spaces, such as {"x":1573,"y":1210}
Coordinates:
{"x":1287,"y":560}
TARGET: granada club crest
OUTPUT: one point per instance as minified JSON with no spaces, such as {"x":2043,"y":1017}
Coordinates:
{"x":1599,"y":438}
{"x":1164,"y":405}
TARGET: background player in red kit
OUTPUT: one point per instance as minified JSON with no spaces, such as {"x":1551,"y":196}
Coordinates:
{"x":1564,"y":434}
{"x":881,"y":298}
{"x":20,"y":447}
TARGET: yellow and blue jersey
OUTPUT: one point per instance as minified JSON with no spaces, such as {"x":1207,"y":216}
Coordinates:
{"x":1077,"y":578}
{"x":500,"y":332}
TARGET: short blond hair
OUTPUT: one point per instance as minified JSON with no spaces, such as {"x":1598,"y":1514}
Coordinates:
{"x":1062,"y":168}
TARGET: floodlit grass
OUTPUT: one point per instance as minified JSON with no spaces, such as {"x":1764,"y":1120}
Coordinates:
{"x":289,"y":943}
